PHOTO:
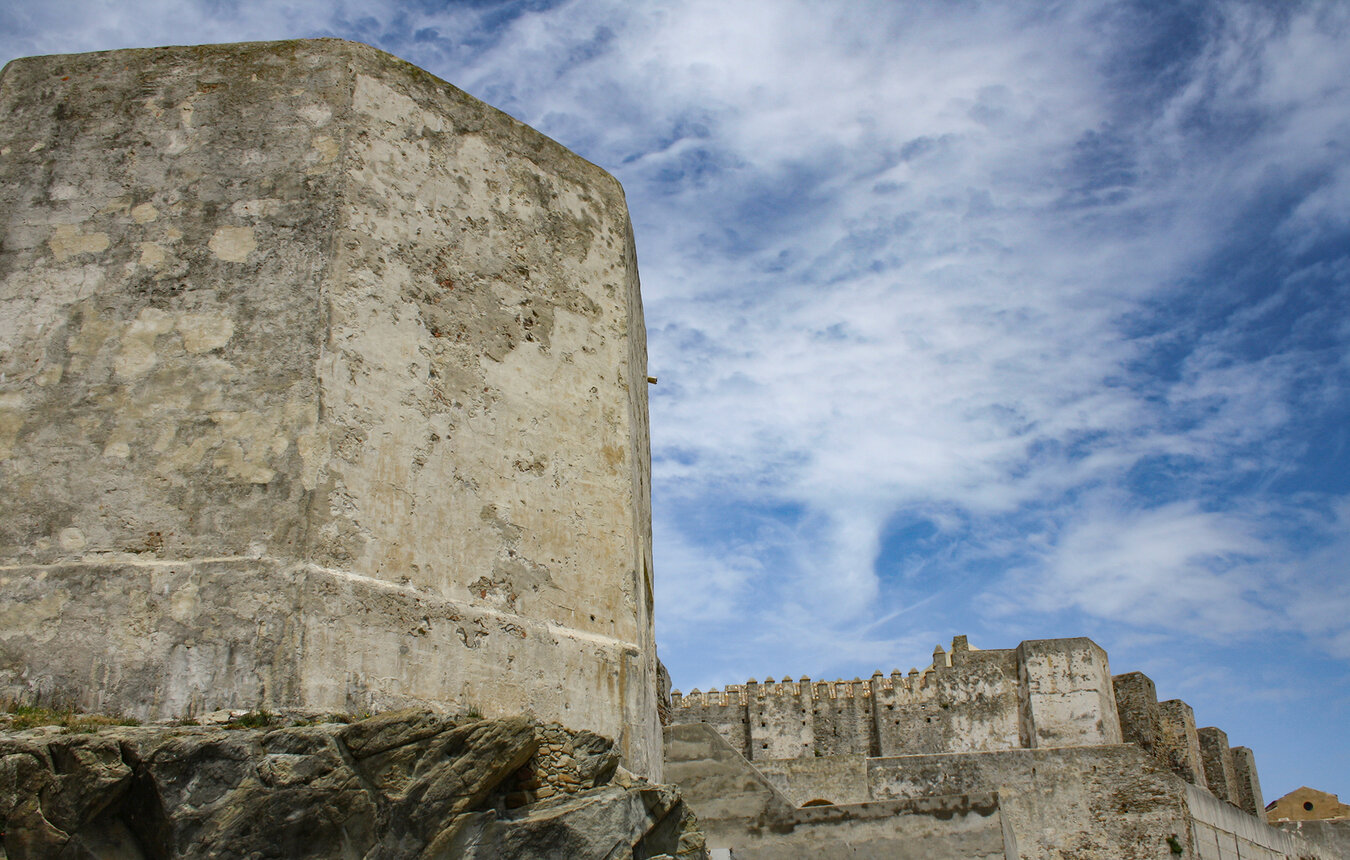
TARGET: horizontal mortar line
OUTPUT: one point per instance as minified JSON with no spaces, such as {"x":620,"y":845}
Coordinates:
{"x":550,"y":626}
{"x":109,"y":561}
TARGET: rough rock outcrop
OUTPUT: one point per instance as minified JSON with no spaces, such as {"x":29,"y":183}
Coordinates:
{"x":407,"y":784}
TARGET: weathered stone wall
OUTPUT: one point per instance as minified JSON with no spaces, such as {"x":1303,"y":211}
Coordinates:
{"x":945,"y":709}
{"x":1247,"y":783}
{"x":1067,"y":698}
{"x":842,"y":718}
{"x":830,"y":778}
{"x":808,"y":738}
{"x":1084,"y":765}
{"x":321,"y":384}
{"x":1108,"y":802}
{"x":963,"y":707}
{"x":1217,"y":758}
{"x":739,"y":809}
{"x":724,"y":710}
{"x":966,"y":701}
{"x":1137,"y":706}
{"x":1181,"y":741}
{"x":781,"y":721}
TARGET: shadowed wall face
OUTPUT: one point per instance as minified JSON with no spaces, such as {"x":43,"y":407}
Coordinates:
{"x":1217,"y":757}
{"x":322,"y":384}
{"x":1181,"y":741}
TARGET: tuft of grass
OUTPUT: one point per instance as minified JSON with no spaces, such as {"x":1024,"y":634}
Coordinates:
{"x":1175,"y":845}
{"x":259,"y":719}
{"x":20,"y":717}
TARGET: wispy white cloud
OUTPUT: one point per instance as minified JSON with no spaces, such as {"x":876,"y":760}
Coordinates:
{"x":1169,"y":566}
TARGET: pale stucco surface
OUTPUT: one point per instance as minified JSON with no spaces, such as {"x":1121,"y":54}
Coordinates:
{"x":321,"y":383}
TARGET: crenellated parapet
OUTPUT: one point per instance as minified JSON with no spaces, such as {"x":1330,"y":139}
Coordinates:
{"x":966,"y":700}
{"x":1043,"y":694}
{"x":1201,"y":756}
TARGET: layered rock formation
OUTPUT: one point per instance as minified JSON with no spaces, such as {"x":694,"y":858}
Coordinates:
{"x":407,"y":784}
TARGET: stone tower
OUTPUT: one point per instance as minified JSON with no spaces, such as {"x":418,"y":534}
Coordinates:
{"x":322,"y":384}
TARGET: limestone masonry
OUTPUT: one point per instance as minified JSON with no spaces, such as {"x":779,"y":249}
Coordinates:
{"x":322,"y":384}
{"x":1036,"y":752}
{"x":1051,"y":692}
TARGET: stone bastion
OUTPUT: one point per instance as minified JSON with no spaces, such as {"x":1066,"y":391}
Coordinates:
{"x":322,"y":384}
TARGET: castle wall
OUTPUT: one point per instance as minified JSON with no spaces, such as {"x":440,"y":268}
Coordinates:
{"x":331,"y":380}
{"x":1106,"y":802}
{"x":960,"y":708}
{"x":969,"y":700}
{"x":743,"y":814}
{"x":831,"y":778}
{"x":1033,"y":724}
{"x":844,"y":719}
{"x":725,"y":711}
{"x":1109,"y":802}
{"x":1089,"y":803}
{"x":780,"y":719}
{"x":946,"y":709}
{"x":1044,"y":694}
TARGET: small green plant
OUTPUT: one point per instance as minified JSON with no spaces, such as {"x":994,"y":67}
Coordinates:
{"x":1175,"y":845}
{"x":21,"y":717}
{"x":473,"y":713}
{"x":259,"y":719}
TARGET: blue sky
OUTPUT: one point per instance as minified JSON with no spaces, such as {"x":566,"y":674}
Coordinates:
{"x":1018,"y":319}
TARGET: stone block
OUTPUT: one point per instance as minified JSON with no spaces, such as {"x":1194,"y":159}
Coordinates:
{"x":1066,"y":694}
{"x":322,"y":384}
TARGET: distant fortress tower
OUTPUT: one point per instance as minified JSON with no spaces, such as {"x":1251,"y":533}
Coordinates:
{"x":322,"y":384}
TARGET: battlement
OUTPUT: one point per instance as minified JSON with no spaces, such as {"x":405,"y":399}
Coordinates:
{"x":740,"y":694}
{"x":1046,"y":693}
{"x":912,"y":684}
